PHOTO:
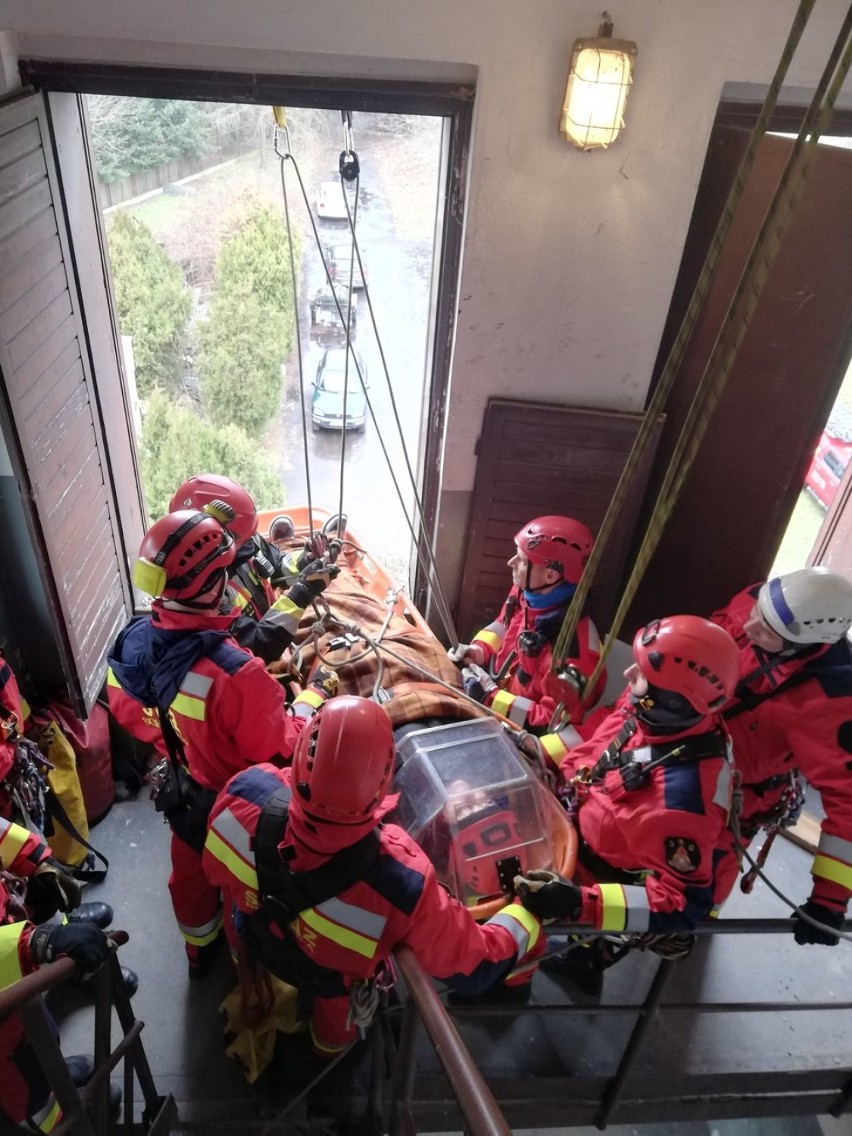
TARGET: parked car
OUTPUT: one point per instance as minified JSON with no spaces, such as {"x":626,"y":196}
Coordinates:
{"x":325,"y":317}
{"x":329,"y":385}
{"x":339,"y":259}
{"x":331,"y":203}
{"x":831,"y":457}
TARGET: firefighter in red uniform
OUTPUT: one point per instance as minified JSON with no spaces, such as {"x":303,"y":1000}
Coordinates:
{"x":650,"y":793}
{"x":265,"y":624}
{"x":340,"y":890}
{"x":25,"y":1096}
{"x":507,"y":666}
{"x":219,"y":709}
{"x":792,"y":711}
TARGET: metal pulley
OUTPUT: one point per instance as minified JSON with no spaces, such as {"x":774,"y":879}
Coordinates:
{"x":349,"y":166}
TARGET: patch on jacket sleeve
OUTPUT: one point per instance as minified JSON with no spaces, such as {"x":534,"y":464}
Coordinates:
{"x":682,"y":854}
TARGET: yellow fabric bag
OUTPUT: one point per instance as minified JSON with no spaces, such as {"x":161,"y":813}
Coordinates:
{"x":65,"y":783}
{"x":254,"y":1020}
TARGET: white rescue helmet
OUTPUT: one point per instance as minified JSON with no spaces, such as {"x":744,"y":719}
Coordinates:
{"x":812,"y":605}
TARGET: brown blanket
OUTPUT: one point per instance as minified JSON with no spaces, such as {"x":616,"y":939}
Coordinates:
{"x":412,"y":696}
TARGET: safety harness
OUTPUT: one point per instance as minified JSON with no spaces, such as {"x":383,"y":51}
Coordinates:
{"x":284,"y":893}
{"x":635,"y":770}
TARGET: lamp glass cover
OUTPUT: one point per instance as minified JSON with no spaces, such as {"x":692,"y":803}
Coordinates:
{"x":593,"y":112}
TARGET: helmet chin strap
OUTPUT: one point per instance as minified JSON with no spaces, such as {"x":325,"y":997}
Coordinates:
{"x":665,"y":711}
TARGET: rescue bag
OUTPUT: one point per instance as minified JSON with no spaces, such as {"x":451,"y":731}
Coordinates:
{"x":283,"y":894}
{"x":91,"y":744}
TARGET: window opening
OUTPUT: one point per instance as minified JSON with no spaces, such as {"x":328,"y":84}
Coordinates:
{"x":192,"y":205}
{"x":829,"y":462}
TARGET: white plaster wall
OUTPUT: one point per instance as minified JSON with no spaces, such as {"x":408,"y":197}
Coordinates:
{"x":569,"y":258}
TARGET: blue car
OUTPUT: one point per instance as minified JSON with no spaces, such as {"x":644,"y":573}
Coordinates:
{"x":327,"y":401}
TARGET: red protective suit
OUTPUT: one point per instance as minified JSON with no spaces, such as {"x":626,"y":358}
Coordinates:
{"x":806,"y":726}
{"x":25,"y":1095}
{"x":398,"y":901}
{"x":529,"y":693}
{"x":228,"y":711}
{"x":665,"y":833}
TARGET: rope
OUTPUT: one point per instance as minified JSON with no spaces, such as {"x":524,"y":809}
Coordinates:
{"x":740,"y":312}
{"x":672,"y":364}
{"x":282,"y":131}
{"x":423,"y":548}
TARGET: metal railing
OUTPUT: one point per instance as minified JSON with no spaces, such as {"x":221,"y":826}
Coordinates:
{"x":86,"y":1110}
{"x":623,"y":1096}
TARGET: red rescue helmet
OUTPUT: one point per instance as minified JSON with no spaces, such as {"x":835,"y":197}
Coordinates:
{"x":204,"y":489}
{"x":344,"y":758}
{"x":560,"y":543}
{"x":689,"y":656}
{"x":185,"y":556}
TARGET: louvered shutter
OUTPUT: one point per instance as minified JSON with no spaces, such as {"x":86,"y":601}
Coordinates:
{"x":52,"y":423}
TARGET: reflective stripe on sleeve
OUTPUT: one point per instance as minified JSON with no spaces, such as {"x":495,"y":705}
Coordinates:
{"x":521,"y":924}
{"x":511,"y":706}
{"x":491,"y":636}
{"x":10,"y":953}
{"x":13,"y":837}
{"x":623,"y":908}
{"x":826,"y":868}
{"x":554,"y":747}
{"x":306,"y":704}
{"x":284,"y":613}
{"x":368,"y":923}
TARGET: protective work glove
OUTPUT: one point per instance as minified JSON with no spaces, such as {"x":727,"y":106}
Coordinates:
{"x":85,"y":943}
{"x":805,"y":932}
{"x":312,"y":581}
{"x":325,"y":682}
{"x":51,"y":889}
{"x":529,"y":744}
{"x":478,"y":683}
{"x":467,"y":653}
{"x":548,"y":895}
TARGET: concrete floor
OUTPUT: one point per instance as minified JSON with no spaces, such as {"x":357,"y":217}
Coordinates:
{"x":183,"y":1026}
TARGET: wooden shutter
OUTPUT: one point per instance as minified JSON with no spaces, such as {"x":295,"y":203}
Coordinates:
{"x":51,"y":421}
{"x":536,"y":459}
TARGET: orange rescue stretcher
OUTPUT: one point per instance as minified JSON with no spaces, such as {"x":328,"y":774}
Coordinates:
{"x":468,"y":795}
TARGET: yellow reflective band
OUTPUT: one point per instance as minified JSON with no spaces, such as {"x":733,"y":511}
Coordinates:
{"x":324,"y":1047}
{"x":189,"y":707}
{"x":203,"y":940}
{"x":239,"y":599}
{"x":351,"y":940}
{"x":311,"y":697}
{"x":554,"y":747}
{"x":502,"y":702}
{"x":10,"y":961}
{"x":11,"y":843}
{"x":489,"y":639}
{"x":111,"y":679}
{"x":286,"y":606}
{"x":527,"y":920}
{"x":827,"y":868}
{"x":235,"y":864}
{"x":614,"y":914}
{"x":52,"y":1119}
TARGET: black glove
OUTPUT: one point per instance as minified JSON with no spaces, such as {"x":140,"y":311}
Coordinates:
{"x":85,"y":943}
{"x":313,"y":579}
{"x":51,"y":889}
{"x":548,"y":895}
{"x":805,"y":932}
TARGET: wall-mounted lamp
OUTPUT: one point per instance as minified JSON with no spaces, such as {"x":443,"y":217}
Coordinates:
{"x":600,"y":77}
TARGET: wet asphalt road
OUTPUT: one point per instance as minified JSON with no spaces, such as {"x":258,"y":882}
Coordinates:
{"x":398,"y":278}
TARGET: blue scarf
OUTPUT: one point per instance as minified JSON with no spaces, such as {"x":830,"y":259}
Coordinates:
{"x":559,"y":597}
